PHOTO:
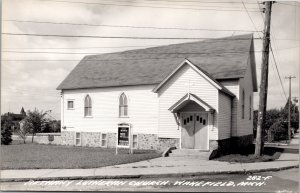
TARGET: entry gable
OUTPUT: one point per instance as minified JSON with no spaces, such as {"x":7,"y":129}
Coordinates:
{"x":185,"y":62}
{"x":186,"y":99}
{"x":200,"y":71}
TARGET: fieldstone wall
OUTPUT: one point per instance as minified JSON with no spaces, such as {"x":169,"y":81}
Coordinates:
{"x":147,"y":141}
{"x":111,"y":140}
{"x":67,"y":138}
{"x":164,"y":143}
{"x":91,"y":139}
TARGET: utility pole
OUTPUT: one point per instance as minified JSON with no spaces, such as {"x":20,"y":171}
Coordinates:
{"x":289,"y":114}
{"x":264,"y":81}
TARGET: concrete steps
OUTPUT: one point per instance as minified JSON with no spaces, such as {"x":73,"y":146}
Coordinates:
{"x":189,"y":153}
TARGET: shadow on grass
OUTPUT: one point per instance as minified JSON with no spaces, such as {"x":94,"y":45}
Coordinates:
{"x":247,"y":155}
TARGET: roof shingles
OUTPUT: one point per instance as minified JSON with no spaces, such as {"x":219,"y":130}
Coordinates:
{"x":222,"y":58}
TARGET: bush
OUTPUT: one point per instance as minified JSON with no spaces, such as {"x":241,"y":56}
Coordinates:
{"x":279,"y":130}
{"x":6,"y":130}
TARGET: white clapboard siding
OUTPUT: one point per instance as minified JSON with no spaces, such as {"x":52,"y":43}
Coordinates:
{"x":233,"y":86}
{"x":142,"y":109}
{"x":184,"y":80}
{"x":224,"y":116}
{"x":245,"y":126}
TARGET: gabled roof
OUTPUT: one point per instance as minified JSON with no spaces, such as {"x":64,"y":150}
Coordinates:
{"x":187,"y":98}
{"x":223,"y":58}
{"x":201,"y":72}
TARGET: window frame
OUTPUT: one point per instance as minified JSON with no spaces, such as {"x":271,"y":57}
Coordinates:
{"x":250,"y":107}
{"x":79,"y":144}
{"x":124,"y":106}
{"x":104,"y":140}
{"x":70,"y":100}
{"x":137,"y":141}
{"x":243,"y":104}
{"x":90,"y":106}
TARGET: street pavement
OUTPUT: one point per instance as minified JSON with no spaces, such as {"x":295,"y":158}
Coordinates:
{"x":162,"y":167}
{"x":278,"y":181}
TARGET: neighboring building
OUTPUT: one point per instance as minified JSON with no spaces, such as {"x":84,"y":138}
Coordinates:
{"x":16,"y":118}
{"x":196,"y":95}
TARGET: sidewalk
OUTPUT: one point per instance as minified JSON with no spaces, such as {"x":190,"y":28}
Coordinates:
{"x":163,"y":167}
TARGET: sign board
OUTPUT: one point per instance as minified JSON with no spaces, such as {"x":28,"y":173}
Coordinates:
{"x":124,"y":137}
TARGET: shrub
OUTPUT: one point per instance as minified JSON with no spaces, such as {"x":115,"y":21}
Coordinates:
{"x":279,"y":130}
{"x":6,"y":130}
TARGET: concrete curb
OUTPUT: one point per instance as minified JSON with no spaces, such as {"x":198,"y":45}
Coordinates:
{"x":149,"y":175}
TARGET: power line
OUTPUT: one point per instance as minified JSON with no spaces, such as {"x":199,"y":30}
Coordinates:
{"x":251,"y":19}
{"x":126,"y":26}
{"x":123,"y":37}
{"x":128,"y":52}
{"x":142,"y":6}
{"x":277,"y":71}
{"x":168,"y":3}
{"x":76,"y":48}
{"x":287,"y":4}
{"x":190,"y":1}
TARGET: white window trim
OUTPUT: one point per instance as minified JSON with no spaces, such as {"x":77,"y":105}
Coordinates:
{"x":80,"y":139}
{"x":105,"y":140}
{"x":137,"y":141}
{"x":120,"y":116}
{"x":71,"y":100}
{"x":87,"y":116}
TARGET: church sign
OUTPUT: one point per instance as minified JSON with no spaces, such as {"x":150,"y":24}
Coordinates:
{"x":124,"y":137}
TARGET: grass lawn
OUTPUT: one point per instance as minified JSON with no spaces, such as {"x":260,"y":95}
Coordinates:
{"x":269,"y":154}
{"x":37,"y":156}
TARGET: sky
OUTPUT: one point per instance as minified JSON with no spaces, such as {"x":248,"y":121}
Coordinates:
{"x":30,"y":79}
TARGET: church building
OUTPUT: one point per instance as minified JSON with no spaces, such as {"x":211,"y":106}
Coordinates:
{"x":195,"y":95}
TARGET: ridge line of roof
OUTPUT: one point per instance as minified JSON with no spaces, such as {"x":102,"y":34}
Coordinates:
{"x":207,"y":40}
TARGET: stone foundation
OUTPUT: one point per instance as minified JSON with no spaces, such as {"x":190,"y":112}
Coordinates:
{"x":243,"y":141}
{"x":164,"y":143}
{"x":147,"y":141}
{"x":67,"y":138}
{"x":111,"y":140}
{"x":150,"y":141}
{"x":230,"y":145}
{"x":91,"y":139}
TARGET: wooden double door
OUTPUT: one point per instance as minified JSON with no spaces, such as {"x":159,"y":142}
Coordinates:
{"x":194,"y":131}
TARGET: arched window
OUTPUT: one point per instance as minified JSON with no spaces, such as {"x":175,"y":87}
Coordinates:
{"x":250,"y":107}
{"x":243,"y":104}
{"x":87,"y":106}
{"x":123,"y":105}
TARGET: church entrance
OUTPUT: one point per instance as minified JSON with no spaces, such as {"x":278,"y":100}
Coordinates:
{"x":194,"y":130}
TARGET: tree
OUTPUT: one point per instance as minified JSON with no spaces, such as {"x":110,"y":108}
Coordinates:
{"x":6,"y":129}
{"x":23,"y":130}
{"x":35,"y":121}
